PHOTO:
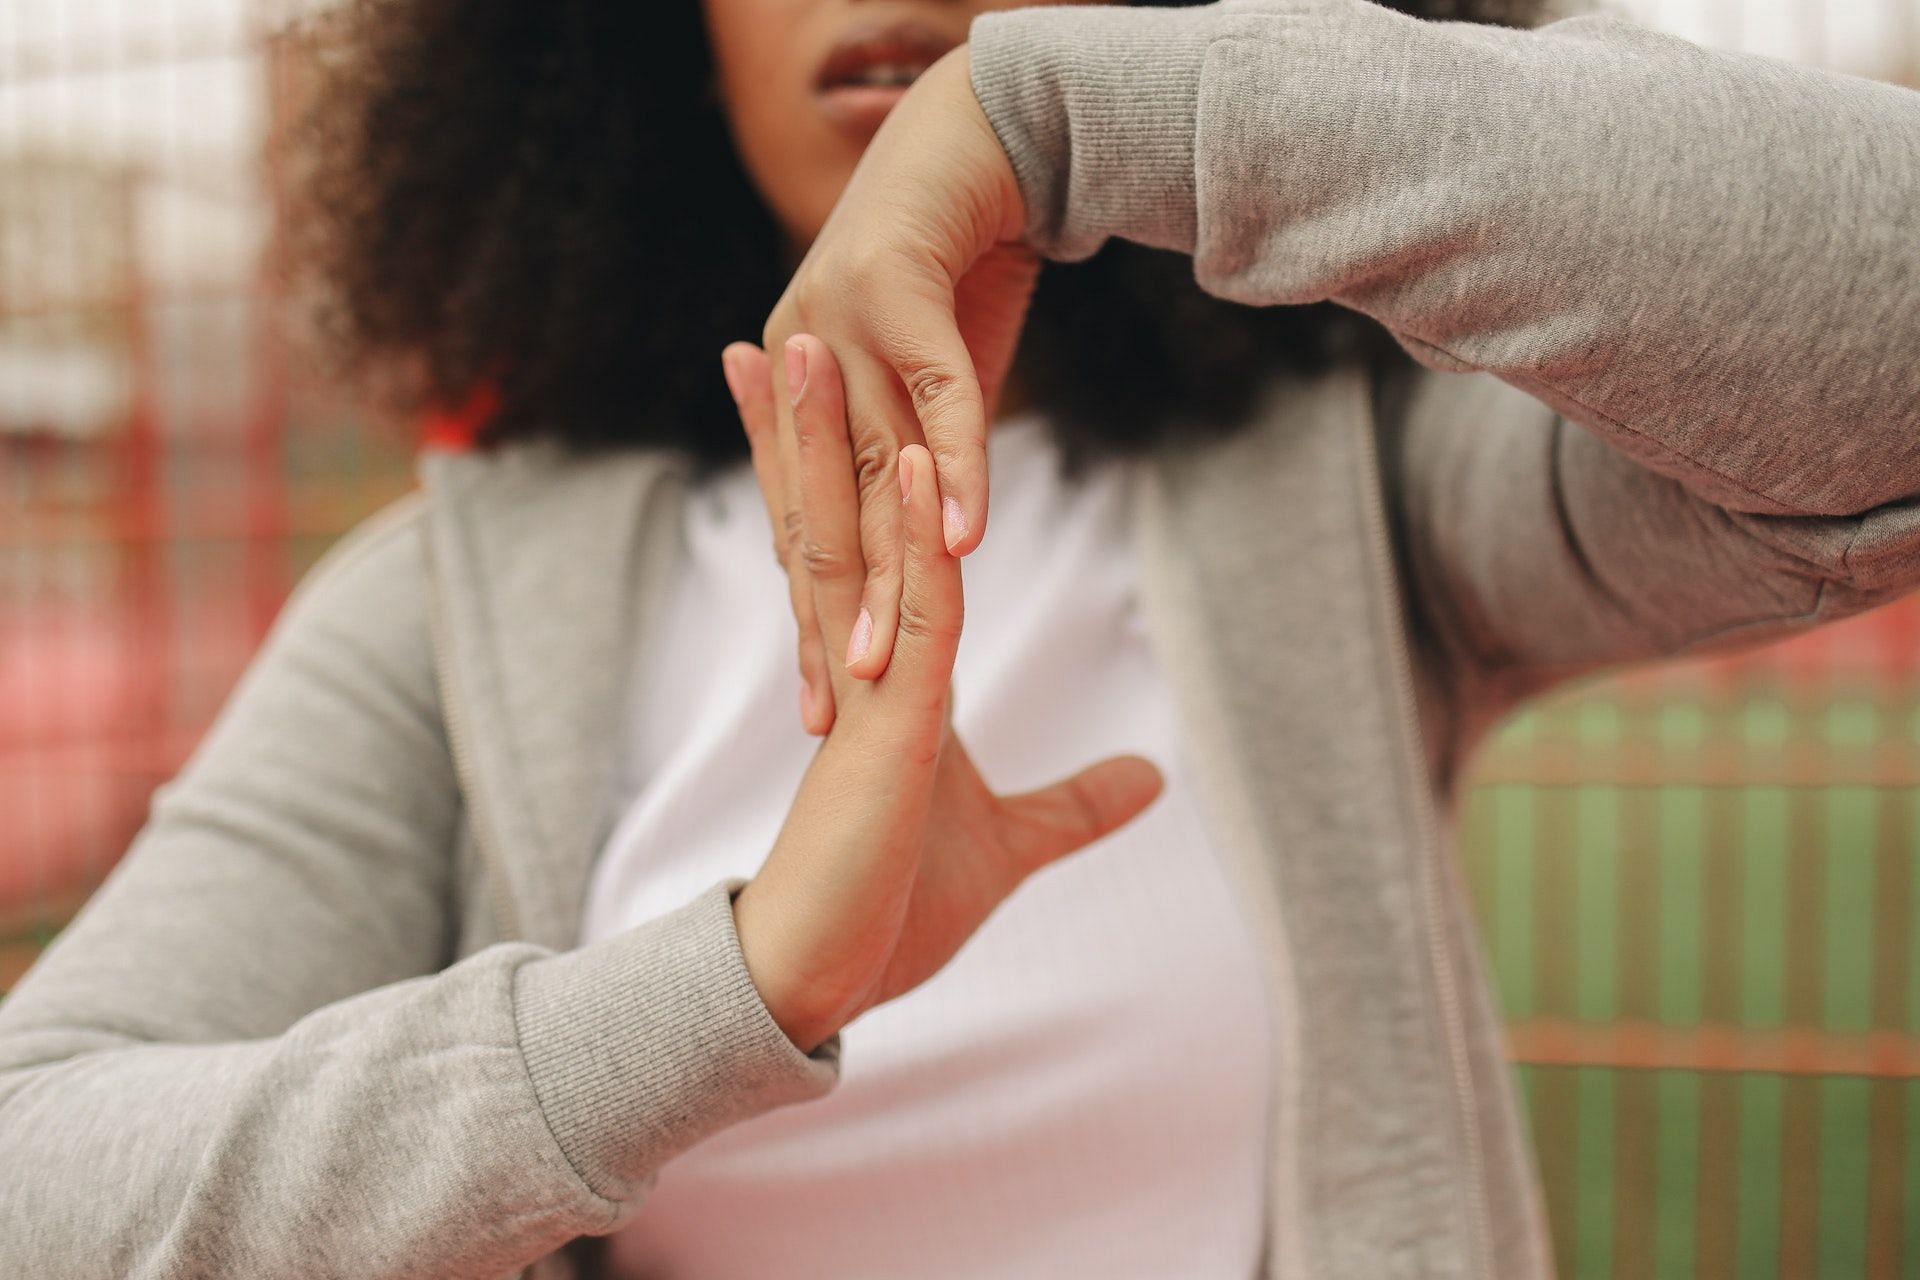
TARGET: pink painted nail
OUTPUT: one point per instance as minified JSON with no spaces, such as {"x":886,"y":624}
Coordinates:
{"x":956,"y":522}
{"x":862,"y":636}
{"x":806,"y":707}
{"x":796,"y":369}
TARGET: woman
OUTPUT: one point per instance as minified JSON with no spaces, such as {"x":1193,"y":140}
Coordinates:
{"x":431,"y":961}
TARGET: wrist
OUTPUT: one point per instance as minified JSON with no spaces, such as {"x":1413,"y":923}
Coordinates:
{"x":1008,"y":199}
{"x":1097,"y":110}
{"x":754,"y":932}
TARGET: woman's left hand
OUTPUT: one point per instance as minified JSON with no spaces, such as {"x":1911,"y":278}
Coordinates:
{"x":919,"y":286}
{"x":895,"y":850}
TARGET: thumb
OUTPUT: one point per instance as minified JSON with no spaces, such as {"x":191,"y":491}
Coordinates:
{"x":1052,"y":822}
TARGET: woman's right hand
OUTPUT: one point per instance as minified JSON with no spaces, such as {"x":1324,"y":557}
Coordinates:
{"x":894,"y":850}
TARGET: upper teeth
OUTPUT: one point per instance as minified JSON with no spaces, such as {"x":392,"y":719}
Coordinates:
{"x":887,"y":73}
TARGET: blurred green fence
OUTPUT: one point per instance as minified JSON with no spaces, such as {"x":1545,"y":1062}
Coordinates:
{"x":1700,"y":890}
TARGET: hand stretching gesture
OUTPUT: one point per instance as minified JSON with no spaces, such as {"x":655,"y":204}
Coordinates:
{"x":918,"y":286}
{"x":894,"y":850}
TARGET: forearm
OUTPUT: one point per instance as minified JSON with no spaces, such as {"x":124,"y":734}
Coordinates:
{"x":1535,"y":553}
{"x":255,"y":1053}
{"x":393,"y":1134}
{"x":1706,"y":258}
{"x":463,"y":1123}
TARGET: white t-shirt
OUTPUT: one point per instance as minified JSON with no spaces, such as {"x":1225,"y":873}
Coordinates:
{"x":1082,"y":1090}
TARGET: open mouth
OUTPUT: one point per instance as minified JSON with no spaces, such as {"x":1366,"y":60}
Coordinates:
{"x":881,"y":75}
{"x":870,"y":68}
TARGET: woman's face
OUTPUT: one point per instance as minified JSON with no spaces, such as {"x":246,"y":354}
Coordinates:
{"x":804,"y":84}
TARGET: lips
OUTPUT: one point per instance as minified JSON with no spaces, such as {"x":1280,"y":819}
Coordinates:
{"x":870,"y":68}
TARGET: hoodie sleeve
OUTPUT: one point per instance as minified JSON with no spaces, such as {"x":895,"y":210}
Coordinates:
{"x":1696,"y":270}
{"x":250,"y":1054}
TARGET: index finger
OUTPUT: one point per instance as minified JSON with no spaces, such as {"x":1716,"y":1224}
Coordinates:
{"x":750,"y":377}
{"x":923,"y":345}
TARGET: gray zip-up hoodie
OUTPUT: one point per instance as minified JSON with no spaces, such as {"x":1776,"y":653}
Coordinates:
{"x":328,"y":1019}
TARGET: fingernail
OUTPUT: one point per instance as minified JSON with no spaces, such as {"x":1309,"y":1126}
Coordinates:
{"x":862,"y":636}
{"x":796,"y":369}
{"x":806,"y":707}
{"x":906,"y":478}
{"x":956,"y":522}
{"x":735,"y":386}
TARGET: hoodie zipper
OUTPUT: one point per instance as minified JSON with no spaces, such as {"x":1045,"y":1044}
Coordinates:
{"x":1413,"y":764}
{"x":454,"y":713}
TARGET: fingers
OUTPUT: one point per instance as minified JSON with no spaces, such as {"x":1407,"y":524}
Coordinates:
{"x":750,"y":378}
{"x":925,"y":349}
{"x":872,"y":394}
{"x":990,"y":308}
{"x":921,"y":670}
{"x":1052,"y":822}
{"x":817,"y":704}
{"x":829,"y":547}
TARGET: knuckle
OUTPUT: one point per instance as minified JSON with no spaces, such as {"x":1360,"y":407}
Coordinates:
{"x":948,"y":454}
{"x":918,"y":623}
{"x":871,"y":261}
{"x":791,"y":314}
{"x":872,"y":463}
{"x":792,"y":527}
{"x":823,"y":561}
{"x":936,"y":391}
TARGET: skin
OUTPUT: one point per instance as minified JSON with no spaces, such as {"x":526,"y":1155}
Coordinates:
{"x":894,"y":850}
{"x":766,"y":55}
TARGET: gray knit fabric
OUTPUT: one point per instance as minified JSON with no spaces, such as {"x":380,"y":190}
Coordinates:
{"x":1705,"y":263}
{"x":327,"y":1018}
{"x":253,"y":1055}
{"x":1706,"y":255}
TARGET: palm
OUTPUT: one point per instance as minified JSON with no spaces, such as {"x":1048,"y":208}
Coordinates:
{"x":963,"y":874}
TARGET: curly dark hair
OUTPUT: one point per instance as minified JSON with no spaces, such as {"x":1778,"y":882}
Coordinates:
{"x":482,"y":209}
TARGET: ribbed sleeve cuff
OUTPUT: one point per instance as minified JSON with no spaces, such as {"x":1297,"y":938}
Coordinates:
{"x":1096,"y":106}
{"x":642,"y":1044}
